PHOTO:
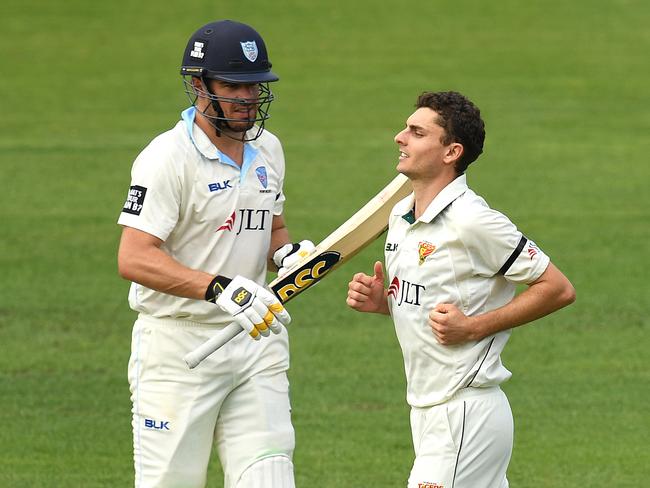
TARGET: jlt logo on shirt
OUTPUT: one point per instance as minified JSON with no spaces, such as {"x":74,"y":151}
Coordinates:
{"x":248,"y":218}
{"x":404,"y":291}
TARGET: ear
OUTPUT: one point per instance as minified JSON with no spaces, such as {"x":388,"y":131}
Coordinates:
{"x":197,"y":83}
{"x":453,"y":153}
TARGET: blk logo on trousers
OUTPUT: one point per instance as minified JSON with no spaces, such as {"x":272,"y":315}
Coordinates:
{"x":156,"y":424}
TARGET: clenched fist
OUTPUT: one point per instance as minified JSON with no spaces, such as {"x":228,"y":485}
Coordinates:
{"x":253,"y":307}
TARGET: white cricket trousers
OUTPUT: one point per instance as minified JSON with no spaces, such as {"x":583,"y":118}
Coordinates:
{"x":465,"y":442}
{"x":237,"y":399}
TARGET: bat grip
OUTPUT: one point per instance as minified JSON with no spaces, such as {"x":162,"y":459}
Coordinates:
{"x":194,"y":358}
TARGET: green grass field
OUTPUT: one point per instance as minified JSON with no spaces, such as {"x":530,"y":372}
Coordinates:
{"x":563,"y":87}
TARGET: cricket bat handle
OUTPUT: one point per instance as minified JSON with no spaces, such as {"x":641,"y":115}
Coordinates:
{"x":193,"y":358}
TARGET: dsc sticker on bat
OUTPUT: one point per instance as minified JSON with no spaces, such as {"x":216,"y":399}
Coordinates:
{"x":305,"y":276}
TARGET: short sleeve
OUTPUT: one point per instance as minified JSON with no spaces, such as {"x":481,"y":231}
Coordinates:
{"x":276,"y":156}
{"x":526,"y":263}
{"x":496,"y":246}
{"x":154,"y":197}
{"x":278,"y":206}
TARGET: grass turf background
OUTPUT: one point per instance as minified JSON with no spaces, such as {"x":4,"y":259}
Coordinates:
{"x":563,"y":89}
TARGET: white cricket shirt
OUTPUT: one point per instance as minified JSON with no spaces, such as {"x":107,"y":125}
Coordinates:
{"x":459,"y":251}
{"x":211,"y":215}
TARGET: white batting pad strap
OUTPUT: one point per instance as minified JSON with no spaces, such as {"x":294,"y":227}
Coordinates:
{"x":268,"y":472}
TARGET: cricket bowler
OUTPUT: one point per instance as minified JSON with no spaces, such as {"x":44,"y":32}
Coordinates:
{"x":452,"y":266}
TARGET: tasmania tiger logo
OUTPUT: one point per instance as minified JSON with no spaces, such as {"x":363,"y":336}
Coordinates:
{"x":424,"y":249}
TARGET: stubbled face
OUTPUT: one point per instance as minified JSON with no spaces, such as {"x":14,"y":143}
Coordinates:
{"x":421,"y":152}
{"x":240,"y":113}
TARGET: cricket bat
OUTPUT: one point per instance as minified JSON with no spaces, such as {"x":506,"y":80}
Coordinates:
{"x":352,"y":236}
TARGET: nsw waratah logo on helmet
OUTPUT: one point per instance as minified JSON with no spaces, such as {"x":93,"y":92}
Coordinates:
{"x":250,"y":50}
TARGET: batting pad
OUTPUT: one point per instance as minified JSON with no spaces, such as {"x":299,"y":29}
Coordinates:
{"x":269,"y":472}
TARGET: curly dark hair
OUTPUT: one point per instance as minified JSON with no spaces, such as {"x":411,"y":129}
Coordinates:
{"x":461,"y":120}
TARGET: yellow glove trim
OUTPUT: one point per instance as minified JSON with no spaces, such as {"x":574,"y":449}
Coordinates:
{"x":268,"y":318}
{"x":276,"y":308}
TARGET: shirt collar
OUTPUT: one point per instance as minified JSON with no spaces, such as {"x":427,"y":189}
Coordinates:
{"x":405,"y":207}
{"x":205,"y":146}
{"x":442,"y":200}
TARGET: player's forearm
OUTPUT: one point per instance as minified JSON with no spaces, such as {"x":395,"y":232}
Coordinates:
{"x":279,"y":237}
{"x":157,"y":270}
{"x":140,"y":259}
{"x":549,"y":293}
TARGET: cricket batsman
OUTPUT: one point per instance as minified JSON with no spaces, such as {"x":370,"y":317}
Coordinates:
{"x":202,"y":221}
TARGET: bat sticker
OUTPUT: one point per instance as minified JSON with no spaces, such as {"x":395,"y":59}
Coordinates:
{"x":305,"y":276}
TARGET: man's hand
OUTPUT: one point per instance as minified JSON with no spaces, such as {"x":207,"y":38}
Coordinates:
{"x":253,"y":307}
{"x":450,"y":325}
{"x":367,"y":293}
{"x":289,"y":254}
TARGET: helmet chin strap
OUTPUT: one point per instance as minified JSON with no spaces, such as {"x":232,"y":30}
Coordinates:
{"x":215,"y":106}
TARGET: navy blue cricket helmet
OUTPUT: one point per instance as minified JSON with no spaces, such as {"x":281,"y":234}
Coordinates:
{"x":228,"y":51}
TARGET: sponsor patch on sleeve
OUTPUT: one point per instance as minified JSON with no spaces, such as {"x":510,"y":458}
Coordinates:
{"x":135,"y":200}
{"x":532,"y":249}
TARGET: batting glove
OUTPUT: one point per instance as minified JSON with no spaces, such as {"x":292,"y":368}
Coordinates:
{"x":253,"y":307}
{"x":290,"y":254}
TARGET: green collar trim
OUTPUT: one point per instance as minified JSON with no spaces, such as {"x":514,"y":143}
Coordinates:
{"x":410,"y":216}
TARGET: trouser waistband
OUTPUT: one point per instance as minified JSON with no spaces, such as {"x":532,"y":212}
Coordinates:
{"x":465,"y":393}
